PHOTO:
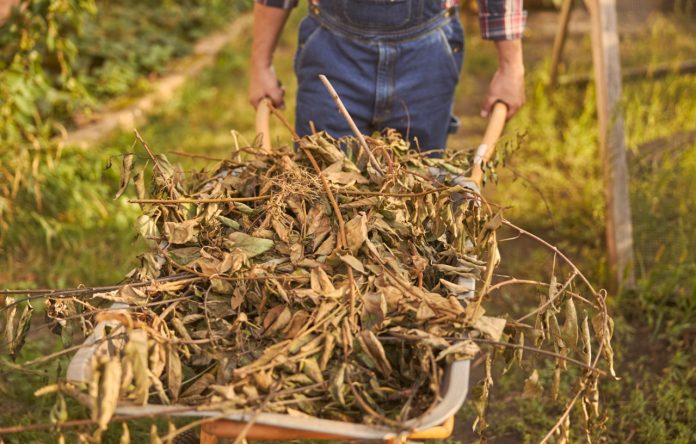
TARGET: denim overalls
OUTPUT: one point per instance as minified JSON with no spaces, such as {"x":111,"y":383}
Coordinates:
{"x":394,"y":63}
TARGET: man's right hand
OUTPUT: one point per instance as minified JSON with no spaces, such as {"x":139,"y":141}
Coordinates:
{"x":264,"y":83}
{"x":268,"y":24}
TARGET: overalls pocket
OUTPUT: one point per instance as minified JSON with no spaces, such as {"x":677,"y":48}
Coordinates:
{"x":309,"y":28}
{"x":453,"y":41}
{"x":385,"y":15}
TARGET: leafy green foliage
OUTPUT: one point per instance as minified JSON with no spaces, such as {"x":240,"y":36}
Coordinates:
{"x":59,"y":60}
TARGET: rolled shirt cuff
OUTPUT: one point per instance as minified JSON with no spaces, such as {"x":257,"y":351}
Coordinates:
{"x":503,"y":26}
{"x":283,"y":4}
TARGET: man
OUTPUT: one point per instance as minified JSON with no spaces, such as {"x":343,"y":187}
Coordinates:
{"x":394,"y":63}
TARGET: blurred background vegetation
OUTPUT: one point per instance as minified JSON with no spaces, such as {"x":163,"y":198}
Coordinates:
{"x":61,"y":61}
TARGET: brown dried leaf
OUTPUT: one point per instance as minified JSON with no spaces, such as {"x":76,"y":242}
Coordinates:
{"x":125,"y":434}
{"x":532,"y":387}
{"x":109,"y":381}
{"x":126,"y":170}
{"x":374,"y":310}
{"x":459,"y":351}
{"x":321,"y":282}
{"x":181,"y":232}
{"x":174,"y":372}
{"x":490,"y":326}
{"x":569,"y":331}
{"x":424,"y":312}
{"x":136,"y":354}
{"x":373,"y":347}
{"x":311,"y":368}
{"x":356,"y":232}
{"x":352,"y":262}
{"x":276,"y":319}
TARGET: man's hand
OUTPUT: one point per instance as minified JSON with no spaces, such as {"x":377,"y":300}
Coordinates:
{"x":264,"y":83}
{"x":508,"y":81}
{"x":268,"y":24}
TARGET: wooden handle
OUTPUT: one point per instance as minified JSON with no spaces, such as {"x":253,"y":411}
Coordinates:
{"x":485,"y":151}
{"x":263,"y":113}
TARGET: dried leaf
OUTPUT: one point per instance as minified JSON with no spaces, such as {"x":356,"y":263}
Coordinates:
{"x":532,"y":387}
{"x":107,"y":390}
{"x":174,"y":372}
{"x":353,"y":262}
{"x":374,"y":310}
{"x":490,"y":326}
{"x":251,"y":246}
{"x":137,"y":355}
{"x":126,"y":169}
{"x":569,"y":331}
{"x":181,"y":232}
{"x":373,"y":347}
{"x":356,"y":232}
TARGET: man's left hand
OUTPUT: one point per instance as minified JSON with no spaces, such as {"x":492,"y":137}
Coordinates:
{"x":508,"y":81}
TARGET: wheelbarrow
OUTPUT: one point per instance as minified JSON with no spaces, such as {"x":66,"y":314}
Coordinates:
{"x":437,"y":423}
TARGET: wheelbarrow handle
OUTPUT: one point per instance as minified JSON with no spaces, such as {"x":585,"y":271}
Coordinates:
{"x":485,"y":151}
{"x":263,"y":113}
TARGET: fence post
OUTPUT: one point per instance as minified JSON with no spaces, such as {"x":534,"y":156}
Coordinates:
{"x":559,"y":41}
{"x":607,"y":70}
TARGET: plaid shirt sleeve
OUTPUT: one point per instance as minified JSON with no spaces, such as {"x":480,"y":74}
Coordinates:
{"x":284,"y":4}
{"x":502,"y":19}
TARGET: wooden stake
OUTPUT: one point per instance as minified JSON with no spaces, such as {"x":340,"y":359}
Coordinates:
{"x":559,"y":41}
{"x":607,"y":69}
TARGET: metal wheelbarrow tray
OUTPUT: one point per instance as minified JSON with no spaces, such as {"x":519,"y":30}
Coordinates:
{"x":279,"y":426}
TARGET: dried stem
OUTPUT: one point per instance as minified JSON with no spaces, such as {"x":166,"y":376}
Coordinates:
{"x":540,"y":352}
{"x":566,"y":412}
{"x":346,"y":115}
{"x":198,"y":201}
{"x":70,"y":292}
{"x":154,"y":159}
{"x":383,"y":194}
{"x":197,"y":156}
{"x":515,"y":281}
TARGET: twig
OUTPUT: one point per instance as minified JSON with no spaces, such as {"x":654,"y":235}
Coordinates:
{"x":566,"y":412}
{"x":242,"y":435}
{"x":538,"y":351}
{"x":351,"y":299}
{"x":69,"y":292}
{"x":344,"y":112}
{"x":198,"y":201}
{"x":502,"y":344}
{"x":149,"y":152}
{"x":366,"y":407}
{"x":555,"y":250}
{"x":383,"y":194}
{"x":197,"y":156}
{"x":515,"y":281}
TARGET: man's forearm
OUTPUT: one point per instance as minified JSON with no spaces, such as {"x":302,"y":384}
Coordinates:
{"x":507,"y":84}
{"x":268,"y":25}
{"x":510,"y":55}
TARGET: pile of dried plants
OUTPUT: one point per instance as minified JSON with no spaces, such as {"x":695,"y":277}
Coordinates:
{"x":331,"y":280}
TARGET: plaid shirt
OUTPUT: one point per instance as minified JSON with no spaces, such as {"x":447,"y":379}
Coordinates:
{"x":500,"y":19}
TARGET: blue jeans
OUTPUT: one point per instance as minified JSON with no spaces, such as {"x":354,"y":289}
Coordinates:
{"x":394,"y":63}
